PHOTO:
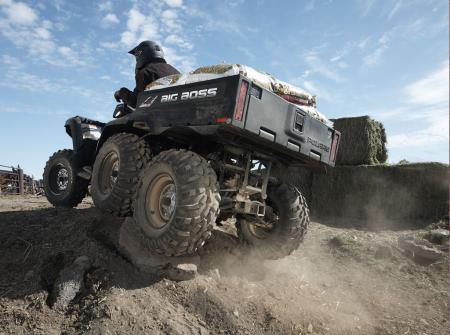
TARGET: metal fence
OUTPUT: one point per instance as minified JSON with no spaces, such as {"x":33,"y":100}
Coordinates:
{"x":14,"y":181}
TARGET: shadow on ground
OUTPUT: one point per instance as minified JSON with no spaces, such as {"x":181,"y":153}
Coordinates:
{"x":36,"y":244}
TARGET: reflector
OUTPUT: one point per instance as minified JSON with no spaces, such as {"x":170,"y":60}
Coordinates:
{"x":241,"y":101}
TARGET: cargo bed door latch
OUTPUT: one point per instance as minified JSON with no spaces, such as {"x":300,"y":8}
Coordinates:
{"x":299,"y":121}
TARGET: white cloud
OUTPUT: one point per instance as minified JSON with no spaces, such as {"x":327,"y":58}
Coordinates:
{"x":105,"y":6}
{"x":169,"y":14}
{"x":174,"y":3}
{"x":23,"y":27}
{"x":384,"y":39}
{"x":18,"y":12}
{"x":336,"y":58}
{"x":318,"y":66}
{"x":426,"y":103}
{"x":395,"y":9}
{"x":363,"y":43}
{"x":340,"y":55}
{"x":184,"y":63}
{"x":373,"y":58}
{"x":42,"y":33}
{"x":70,"y":56}
{"x":139,"y":28}
{"x":321,"y":93}
{"x":23,"y":80}
{"x":435,"y":132}
{"x":135,"y":20}
{"x":12,"y":63}
{"x":177,"y":41}
{"x":246,"y":51}
{"x":431,"y":90}
{"x":18,"y":77}
{"x":389,"y":7}
{"x":161,"y":25}
{"x":366,"y":6}
{"x":222,"y":20}
{"x":170,"y":21}
{"x":110,"y":18}
{"x":110,"y":45}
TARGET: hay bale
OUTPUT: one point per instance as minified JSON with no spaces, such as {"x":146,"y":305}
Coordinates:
{"x":407,"y":193}
{"x":363,"y":141}
{"x":217,"y":69}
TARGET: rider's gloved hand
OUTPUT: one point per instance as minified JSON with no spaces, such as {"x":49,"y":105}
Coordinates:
{"x":122,"y":94}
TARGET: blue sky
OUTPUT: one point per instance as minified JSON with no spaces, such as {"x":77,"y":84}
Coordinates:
{"x":386,"y":58}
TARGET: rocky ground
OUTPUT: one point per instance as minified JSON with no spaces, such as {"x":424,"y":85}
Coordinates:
{"x":340,"y":281}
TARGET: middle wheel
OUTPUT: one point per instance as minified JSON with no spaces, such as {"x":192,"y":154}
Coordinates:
{"x":115,"y":172}
{"x":176,"y":203}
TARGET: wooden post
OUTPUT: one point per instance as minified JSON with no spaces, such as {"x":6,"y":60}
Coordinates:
{"x":21,"y":181}
{"x":33,"y":185}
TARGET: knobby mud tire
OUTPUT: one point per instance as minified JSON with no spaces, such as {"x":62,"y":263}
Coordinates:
{"x":289,"y":230}
{"x":77,"y":187}
{"x":132,"y":154}
{"x":196,"y":204}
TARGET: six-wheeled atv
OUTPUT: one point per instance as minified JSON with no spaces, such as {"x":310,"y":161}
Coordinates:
{"x":194,"y":154}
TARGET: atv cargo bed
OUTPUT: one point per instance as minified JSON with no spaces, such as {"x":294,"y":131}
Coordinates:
{"x":235,"y":109}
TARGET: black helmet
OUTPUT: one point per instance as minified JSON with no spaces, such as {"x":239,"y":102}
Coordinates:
{"x":145,"y":52}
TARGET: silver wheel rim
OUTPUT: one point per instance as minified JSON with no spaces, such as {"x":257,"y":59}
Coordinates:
{"x":167,"y":202}
{"x":160,"y":201}
{"x":62,"y":179}
{"x":109,"y":172}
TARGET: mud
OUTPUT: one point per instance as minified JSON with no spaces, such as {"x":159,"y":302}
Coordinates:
{"x":340,"y":281}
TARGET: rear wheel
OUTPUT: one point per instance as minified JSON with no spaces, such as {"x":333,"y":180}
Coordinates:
{"x":116,"y":171}
{"x":62,"y":186}
{"x":283,"y":227}
{"x":176,"y":203}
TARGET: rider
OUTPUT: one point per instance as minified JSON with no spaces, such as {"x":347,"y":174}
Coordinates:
{"x":150,"y":66}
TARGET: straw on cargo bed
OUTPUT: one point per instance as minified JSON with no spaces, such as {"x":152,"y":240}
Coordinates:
{"x":305,"y":100}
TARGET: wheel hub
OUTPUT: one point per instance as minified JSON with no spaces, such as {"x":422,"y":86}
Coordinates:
{"x":167,"y":202}
{"x":62,"y":179}
{"x":109,"y":172}
{"x":161,"y":201}
{"x":114,"y":172}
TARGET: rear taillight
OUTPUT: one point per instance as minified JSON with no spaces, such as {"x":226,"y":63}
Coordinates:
{"x":243,"y":89}
{"x":334,"y":146}
{"x":222,"y":120}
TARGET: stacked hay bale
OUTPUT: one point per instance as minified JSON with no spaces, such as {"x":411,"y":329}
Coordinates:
{"x":376,"y":195}
{"x":363,"y":141}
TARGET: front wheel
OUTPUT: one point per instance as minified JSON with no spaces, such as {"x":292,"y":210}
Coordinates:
{"x":62,"y":186}
{"x":176,"y":203}
{"x":283,"y":227}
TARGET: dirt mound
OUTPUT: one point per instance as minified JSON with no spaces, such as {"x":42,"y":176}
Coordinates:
{"x":340,"y":281}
